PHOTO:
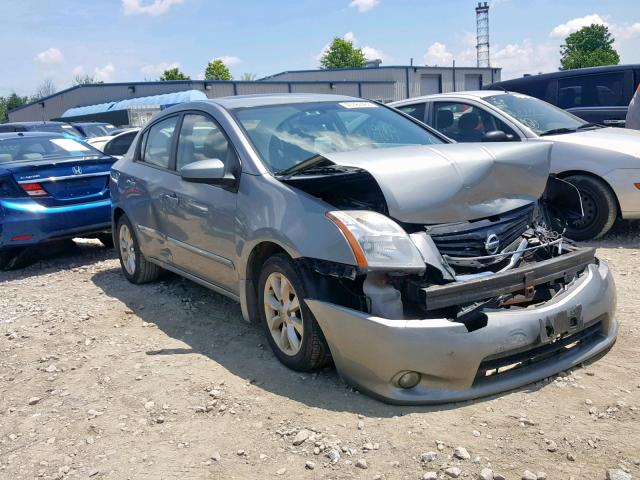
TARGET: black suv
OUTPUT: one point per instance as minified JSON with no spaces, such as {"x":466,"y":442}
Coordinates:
{"x":55,"y":127}
{"x":597,"y":94}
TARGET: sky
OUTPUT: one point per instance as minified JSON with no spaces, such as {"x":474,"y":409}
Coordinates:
{"x":135,"y":40}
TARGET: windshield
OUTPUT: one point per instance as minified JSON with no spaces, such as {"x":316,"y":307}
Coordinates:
{"x":99,"y":130}
{"x":21,"y":149}
{"x":539,"y":116}
{"x":286,"y":135}
{"x":58,"y":128}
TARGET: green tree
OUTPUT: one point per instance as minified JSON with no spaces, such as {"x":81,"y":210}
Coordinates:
{"x":85,"y":80}
{"x":173,"y":74}
{"x":342,"y":54}
{"x":217,"y":70}
{"x":590,"y":46}
{"x":8,"y":103}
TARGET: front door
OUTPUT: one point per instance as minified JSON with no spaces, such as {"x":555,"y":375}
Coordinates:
{"x":430,"y":84}
{"x":201,"y":227}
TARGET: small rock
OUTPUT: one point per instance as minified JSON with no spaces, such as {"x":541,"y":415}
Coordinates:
{"x":617,"y":474}
{"x":428,"y":457}
{"x":301,"y":437}
{"x":360,"y":425}
{"x":527,"y":475}
{"x":475,"y":433}
{"x":571,"y":457}
{"x":551,"y":445}
{"x":309,"y":465}
{"x":541,"y":476}
{"x":430,"y":476}
{"x":240,"y":453}
{"x":362,"y":463}
{"x":51,"y":368}
{"x":486,"y":474}
{"x":34,"y":400}
{"x":149,"y":405}
{"x":263,"y":456}
{"x":215,"y":456}
{"x":282,"y":471}
{"x":588,"y":402}
{"x":333,"y":455}
{"x":461,"y":453}
{"x":453,"y":472}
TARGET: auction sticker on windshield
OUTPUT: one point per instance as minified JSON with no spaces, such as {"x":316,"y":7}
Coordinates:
{"x":358,"y":105}
{"x":69,"y":145}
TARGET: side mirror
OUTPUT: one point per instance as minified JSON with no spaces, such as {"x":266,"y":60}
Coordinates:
{"x":211,"y":171}
{"x":495,"y":136}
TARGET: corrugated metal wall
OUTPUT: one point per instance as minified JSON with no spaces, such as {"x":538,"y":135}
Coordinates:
{"x":384,"y":83}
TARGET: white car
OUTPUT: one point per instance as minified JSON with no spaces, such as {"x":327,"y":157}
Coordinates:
{"x":114,"y":145}
{"x":603,"y":163}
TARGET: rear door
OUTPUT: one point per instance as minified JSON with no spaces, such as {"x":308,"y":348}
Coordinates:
{"x":600,"y":98}
{"x":146,"y":187}
{"x":201,"y":225}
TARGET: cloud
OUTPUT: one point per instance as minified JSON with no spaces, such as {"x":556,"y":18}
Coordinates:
{"x":371,"y":53}
{"x":155,"y":8}
{"x":49,"y":56}
{"x":78,"y":71}
{"x":438,"y":54}
{"x":516,"y":59}
{"x":104,"y":74}
{"x":154,"y":70}
{"x":575,"y":24}
{"x":228,"y":60}
{"x":364,"y":5}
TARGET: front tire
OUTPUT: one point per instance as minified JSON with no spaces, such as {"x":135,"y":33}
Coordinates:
{"x":135,"y":267}
{"x":291,"y":329}
{"x":599,"y":205}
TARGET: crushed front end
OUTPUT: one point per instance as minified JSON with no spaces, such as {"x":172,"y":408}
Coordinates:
{"x":440,"y":311}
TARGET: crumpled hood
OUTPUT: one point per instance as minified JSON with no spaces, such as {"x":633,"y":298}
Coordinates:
{"x":620,"y":140}
{"x":454,"y":182}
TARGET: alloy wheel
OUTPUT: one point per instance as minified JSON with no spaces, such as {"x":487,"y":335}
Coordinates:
{"x":127,"y":250}
{"x":283,"y":314}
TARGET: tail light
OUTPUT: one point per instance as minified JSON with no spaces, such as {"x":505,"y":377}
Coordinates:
{"x":34,"y":189}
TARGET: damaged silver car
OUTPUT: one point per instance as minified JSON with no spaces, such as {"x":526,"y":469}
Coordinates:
{"x":426,"y":271}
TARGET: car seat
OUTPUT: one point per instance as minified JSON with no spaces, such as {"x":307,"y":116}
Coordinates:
{"x":467,"y":125}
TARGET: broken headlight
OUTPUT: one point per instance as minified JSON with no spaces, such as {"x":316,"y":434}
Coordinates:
{"x":378,"y":243}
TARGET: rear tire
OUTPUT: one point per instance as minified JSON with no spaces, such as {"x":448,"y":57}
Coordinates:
{"x":12,"y":259}
{"x":135,"y":267}
{"x":599,"y":205}
{"x":291,"y":329}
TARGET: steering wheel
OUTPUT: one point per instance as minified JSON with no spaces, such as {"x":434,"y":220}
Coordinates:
{"x":283,"y":154}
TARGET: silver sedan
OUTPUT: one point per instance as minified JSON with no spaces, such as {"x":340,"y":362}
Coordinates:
{"x":426,"y":271}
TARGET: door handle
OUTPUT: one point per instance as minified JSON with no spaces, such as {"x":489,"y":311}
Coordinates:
{"x":171,"y":198}
{"x":614,"y":122}
{"x":130,"y":182}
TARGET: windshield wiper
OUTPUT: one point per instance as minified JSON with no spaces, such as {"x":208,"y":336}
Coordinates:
{"x":590,"y":125}
{"x":556,"y":131}
{"x":302,"y":166}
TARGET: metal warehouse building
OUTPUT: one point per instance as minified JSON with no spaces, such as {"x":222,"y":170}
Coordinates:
{"x":384,"y":83}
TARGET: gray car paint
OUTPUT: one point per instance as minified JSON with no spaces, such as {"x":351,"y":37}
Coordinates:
{"x":454,"y":182}
{"x":210,"y":235}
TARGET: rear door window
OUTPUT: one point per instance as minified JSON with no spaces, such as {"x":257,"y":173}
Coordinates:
{"x":467,"y":123}
{"x":602,"y":90}
{"x":157,"y":148}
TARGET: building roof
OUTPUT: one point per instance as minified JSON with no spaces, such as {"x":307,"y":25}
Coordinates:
{"x":163,"y":101}
{"x":258,"y":100}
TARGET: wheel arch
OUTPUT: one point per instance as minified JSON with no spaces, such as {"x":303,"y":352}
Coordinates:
{"x":569,"y":173}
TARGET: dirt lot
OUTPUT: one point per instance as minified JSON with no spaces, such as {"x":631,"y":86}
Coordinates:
{"x":102,"y":379}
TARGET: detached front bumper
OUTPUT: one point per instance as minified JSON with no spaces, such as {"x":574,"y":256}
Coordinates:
{"x":455,"y":364}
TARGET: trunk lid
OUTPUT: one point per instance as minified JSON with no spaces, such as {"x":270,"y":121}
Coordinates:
{"x":65,"y":181}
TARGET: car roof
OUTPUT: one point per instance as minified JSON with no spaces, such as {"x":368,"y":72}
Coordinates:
{"x":29,"y":124}
{"x":8,"y":135}
{"x":89,"y":123}
{"x":468,"y":94}
{"x":567,"y":73}
{"x":243,"y":101}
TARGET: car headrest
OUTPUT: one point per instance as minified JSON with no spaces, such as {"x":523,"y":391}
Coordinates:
{"x":444,"y":118}
{"x":32,"y":156}
{"x":5,"y":157}
{"x":468,"y":121}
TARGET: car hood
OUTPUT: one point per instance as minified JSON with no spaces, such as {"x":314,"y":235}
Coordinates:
{"x":454,"y":182}
{"x":619,"y":140}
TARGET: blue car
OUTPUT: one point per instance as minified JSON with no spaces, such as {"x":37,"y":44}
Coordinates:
{"x":52,"y":187}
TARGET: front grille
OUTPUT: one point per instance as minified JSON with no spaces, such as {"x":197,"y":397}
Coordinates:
{"x":492,"y":367}
{"x":467,"y":239}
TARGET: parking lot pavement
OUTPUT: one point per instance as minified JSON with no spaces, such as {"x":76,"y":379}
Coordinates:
{"x":103,"y":379}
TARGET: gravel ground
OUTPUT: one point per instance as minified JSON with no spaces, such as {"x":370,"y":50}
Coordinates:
{"x":102,"y":379}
